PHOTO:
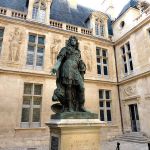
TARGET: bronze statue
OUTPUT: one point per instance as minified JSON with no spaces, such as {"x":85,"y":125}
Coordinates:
{"x":70,"y":70}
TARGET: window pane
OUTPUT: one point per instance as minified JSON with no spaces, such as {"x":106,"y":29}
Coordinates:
{"x":98,"y":60}
{"x":0,"y":43}
{"x":36,"y":115}
{"x":125,"y":68}
{"x":97,"y":51}
{"x":37,"y":89}
{"x":102,"y":115}
{"x":128,"y":46}
{"x":104,"y":53}
{"x":39,"y":60}
{"x":101,"y":94}
{"x":1,"y":32}
{"x":37,"y":100}
{"x":131,"y":65}
{"x":31,"y":48}
{"x":28,"y":88}
{"x":123,"y":50}
{"x":98,"y":69}
{"x":41,"y":16}
{"x":108,"y":104}
{"x":124,"y":58}
{"x":40,"y":50}
{"x":35,"y":12}
{"x":27,"y":100}
{"x":41,"y":40}
{"x":129,"y":55}
{"x":101,"y":104}
{"x":104,"y":61}
{"x":105,"y":70}
{"x":25,"y":114}
{"x":107,"y":94}
{"x":32,"y":38}
{"x":108,"y":115}
{"x":30,"y":59}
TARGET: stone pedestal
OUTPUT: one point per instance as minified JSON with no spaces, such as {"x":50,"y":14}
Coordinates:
{"x":75,"y":134}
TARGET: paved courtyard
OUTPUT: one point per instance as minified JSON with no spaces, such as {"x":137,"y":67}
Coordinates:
{"x":105,"y":146}
{"x":124,"y":146}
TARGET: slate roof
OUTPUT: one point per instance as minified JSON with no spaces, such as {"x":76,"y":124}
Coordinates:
{"x":131,"y":3}
{"x":19,"y":5}
{"x":60,"y":11}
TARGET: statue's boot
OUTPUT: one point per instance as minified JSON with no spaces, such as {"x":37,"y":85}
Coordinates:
{"x":70,"y":106}
{"x":82,"y":109}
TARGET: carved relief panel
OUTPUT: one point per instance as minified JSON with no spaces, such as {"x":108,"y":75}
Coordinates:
{"x":129,"y":91}
{"x":15,"y":41}
{"x":55,"y":48}
{"x":87,"y":56}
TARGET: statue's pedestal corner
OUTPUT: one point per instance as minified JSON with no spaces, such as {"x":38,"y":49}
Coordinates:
{"x":75,"y":134}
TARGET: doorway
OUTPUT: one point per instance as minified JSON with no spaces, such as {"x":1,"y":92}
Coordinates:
{"x":134,"y":116}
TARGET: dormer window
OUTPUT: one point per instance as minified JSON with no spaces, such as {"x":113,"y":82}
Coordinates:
{"x":39,"y":10}
{"x":99,"y":27}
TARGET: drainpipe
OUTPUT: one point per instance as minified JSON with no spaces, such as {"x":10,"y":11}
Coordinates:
{"x":121,"y":116}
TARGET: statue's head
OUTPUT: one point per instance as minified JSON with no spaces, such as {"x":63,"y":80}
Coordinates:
{"x":73,"y":42}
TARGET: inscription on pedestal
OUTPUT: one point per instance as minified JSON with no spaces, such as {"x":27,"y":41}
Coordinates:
{"x":54,"y":143}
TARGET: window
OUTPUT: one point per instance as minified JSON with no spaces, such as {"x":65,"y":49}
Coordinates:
{"x":39,"y":11}
{"x":102,"y":61}
{"x":122,"y":24}
{"x":31,"y":107}
{"x":105,"y":105}
{"x":127,"y":58}
{"x":99,"y":28}
{"x":35,"y":54}
{"x":1,"y":38}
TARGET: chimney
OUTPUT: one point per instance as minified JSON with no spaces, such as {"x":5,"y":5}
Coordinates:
{"x":72,"y":4}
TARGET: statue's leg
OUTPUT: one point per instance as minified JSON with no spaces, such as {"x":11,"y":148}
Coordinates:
{"x":69,"y":97}
{"x":81,"y":97}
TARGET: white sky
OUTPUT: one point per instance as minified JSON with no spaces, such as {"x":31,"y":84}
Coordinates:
{"x":96,"y":4}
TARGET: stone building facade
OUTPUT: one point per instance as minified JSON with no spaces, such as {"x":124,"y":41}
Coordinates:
{"x":116,"y":54}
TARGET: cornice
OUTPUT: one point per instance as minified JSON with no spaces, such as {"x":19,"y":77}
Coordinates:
{"x":135,"y":77}
{"x":46,"y":75}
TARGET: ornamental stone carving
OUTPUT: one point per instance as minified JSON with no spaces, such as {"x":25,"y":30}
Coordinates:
{"x":15,"y":41}
{"x":54,"y":49}
{"x":129,"y":90}
{"x":87,"y":57}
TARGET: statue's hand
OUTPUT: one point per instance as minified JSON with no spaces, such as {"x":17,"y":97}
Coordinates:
{"x":53,"y":71}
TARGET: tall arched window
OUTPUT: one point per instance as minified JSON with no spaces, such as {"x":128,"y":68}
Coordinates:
{"x":99,"y":27}
{"x":39,"y":10}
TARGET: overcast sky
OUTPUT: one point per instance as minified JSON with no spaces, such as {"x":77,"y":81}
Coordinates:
{"x":96,"y":4}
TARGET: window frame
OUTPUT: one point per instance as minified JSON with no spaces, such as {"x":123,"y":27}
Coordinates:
{"x":105,"y":108}
{"x":102,"y":64}
{"x":36,"y":15}
{"x":31,"y":107}
{"x":126,"y":62}
{"x":99,"y":27}
{"x":35,"y":53}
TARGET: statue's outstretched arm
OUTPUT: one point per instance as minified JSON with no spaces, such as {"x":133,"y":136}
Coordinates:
{"x":60,"y":57}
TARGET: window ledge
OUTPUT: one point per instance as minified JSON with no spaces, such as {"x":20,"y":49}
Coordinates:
{"x":40,"y":128}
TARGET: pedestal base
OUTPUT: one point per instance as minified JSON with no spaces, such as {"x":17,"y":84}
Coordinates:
{"x":75,"y":134}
